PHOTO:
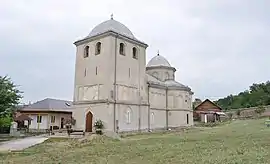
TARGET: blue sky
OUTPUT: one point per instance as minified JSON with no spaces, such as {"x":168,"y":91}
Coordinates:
{"x":218,"y":47}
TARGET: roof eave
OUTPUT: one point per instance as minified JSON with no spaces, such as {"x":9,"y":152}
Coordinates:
{"x":106,"y":33}
{"x":160,"y":67}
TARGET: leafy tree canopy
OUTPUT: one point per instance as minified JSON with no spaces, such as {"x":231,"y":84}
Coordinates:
{"x":9,"y":96}
{"x":196,"y":102}
{"x":257,"y":95}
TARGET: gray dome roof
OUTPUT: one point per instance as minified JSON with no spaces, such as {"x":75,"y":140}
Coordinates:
{"x":158,"y":61}
{"x":111,"y":25}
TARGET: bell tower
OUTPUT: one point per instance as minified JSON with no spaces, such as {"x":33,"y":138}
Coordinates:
{"x":109,"y":72}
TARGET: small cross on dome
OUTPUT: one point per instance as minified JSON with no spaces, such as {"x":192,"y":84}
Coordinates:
{"x":158,"y":53}
{"x":112,"y":16}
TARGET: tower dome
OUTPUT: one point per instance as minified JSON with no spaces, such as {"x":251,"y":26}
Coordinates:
{"x":158,"y":61}
{"x":111,"y":25}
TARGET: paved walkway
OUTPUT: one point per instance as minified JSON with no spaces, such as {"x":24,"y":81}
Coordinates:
{"x":20,"y":144}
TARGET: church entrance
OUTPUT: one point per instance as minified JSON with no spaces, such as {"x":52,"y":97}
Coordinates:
{"x":88,"y":123}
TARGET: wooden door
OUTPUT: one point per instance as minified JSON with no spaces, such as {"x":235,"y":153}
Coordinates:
{"x":89,"y":118}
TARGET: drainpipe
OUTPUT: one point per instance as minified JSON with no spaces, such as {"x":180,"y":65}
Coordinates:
{"x":38,"y":117}
{"x":140,"y":100}
{"x":148,"y":100}
{"x":167,"y":117}
{"x":114,"y":84}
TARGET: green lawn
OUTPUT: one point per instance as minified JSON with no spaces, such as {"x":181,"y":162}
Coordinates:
{"x":240,"y":142}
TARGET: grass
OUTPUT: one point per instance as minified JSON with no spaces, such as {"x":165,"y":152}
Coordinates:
{"x":240,"y":142}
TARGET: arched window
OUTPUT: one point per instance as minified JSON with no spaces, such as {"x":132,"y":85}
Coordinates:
{"x":122,"y":49}
{"x":86,"y":52}
{"x":152,"y":117}
{"x":128,"y":117}
{"x":98,"y":48}
{"x":134,"y":53}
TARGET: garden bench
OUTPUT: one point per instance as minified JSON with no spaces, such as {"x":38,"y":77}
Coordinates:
{"x":75,"y":132}
{"x":267,"y":123}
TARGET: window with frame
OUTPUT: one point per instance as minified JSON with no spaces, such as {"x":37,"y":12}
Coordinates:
{"x":52,"y":119}
{"x":39,"y":119}
{"x":152,"y":117}
{"x":86,"y":52}
{"x":128,"y":117}
{"x":98,"y":48}
{"x":122,"y":49}
{"x":134,"y":53}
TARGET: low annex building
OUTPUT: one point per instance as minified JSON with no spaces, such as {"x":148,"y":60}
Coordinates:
{"x":113,"y":83}
{"x":46,"y":114}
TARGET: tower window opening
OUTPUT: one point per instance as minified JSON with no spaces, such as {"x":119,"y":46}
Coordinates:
{"x":134,"y":53}
{"x":86,"y":52}
{"x":98,"y":48}
{"x":122,"y":49}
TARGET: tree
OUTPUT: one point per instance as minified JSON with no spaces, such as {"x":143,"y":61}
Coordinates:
{"x":196,"y":102}
{"x":9,"y":99}
{"x":260,"y":109}
{"x":256,"y":95}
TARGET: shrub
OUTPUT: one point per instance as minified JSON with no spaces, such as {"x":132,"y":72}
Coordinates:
{"x":260,"y":109}
{"x":5,"y":121}
{"x":238,"y":112}
{"x":99,"y":126}
{"x":230,"y":115}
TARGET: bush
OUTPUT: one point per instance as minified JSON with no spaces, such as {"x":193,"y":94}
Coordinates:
{"x":99,"y":126}
{"x":238,"y":112}
{"x":260,"y":109}
{"x":230,"y":115}
{"x":5,"y":121}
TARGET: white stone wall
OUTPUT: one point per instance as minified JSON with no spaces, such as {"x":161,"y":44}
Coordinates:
{"x":103,"y":112}
{"x":161,"y":73}
{"x":42,"y":125}
{"x":157,"y":119}
{"x":178,"y":99}
{"x":97,"y":71}
{"x":157,"y":98}
{"x":179,"y":118}
{"x":128,"y":117}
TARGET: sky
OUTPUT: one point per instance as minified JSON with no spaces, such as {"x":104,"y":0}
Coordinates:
{"x":218,"y":47}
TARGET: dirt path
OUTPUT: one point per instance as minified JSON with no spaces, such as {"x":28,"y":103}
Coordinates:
{"x":20,"y":144}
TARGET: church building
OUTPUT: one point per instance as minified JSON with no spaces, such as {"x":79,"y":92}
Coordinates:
{"x":114,"y":84}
